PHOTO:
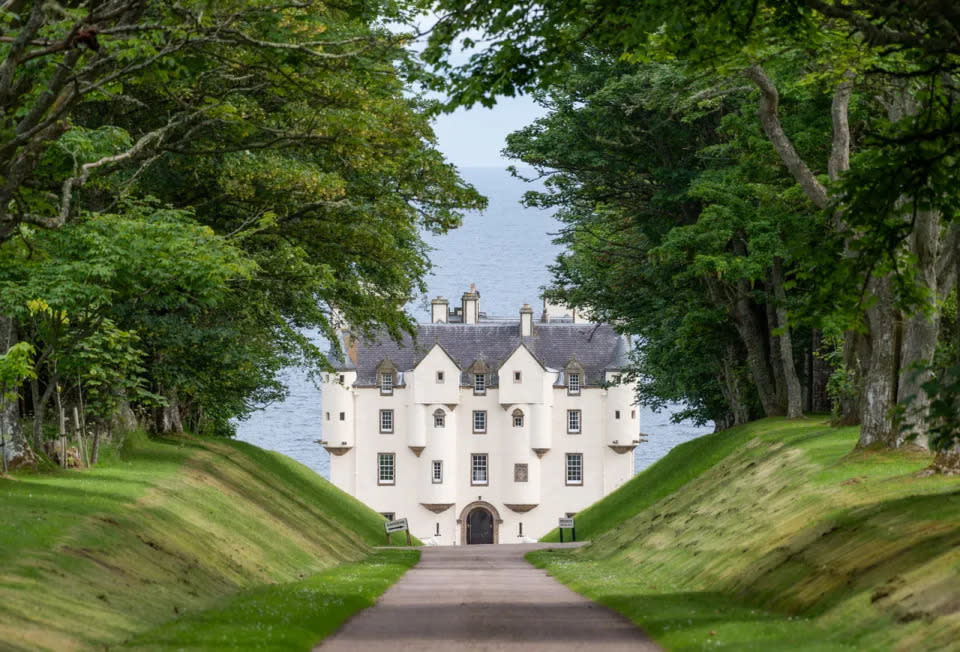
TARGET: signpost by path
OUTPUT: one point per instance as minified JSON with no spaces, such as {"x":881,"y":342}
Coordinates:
{"x":568,"y":523}
{"x":399,"y":525}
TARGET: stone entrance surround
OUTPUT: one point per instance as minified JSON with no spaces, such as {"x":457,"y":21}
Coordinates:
{"x":462,"y":520}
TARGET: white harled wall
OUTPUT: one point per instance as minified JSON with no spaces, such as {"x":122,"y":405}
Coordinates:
{"x":545,"y":428}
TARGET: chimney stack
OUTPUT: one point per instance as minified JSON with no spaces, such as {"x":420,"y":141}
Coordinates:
{"x":526,"y":320}
{"x":470,"y":305}
{"x":353,"y":345}
{"x":439,"y":308}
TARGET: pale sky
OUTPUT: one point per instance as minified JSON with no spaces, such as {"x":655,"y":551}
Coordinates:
{"x":474,"y":137}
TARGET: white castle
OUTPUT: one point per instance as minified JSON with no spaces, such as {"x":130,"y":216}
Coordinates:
{"x":482,"y":430}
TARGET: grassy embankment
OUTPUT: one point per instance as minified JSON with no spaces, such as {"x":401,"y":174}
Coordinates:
{"x":185,"y":543}
{"x":776,"y":535}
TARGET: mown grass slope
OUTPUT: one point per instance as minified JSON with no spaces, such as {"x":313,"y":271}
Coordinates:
{"x":788,"y":541}
{"x":93,"y":558}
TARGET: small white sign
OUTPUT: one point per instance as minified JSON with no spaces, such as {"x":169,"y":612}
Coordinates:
{"x":395,"y":526}
{"x":566,"y":523}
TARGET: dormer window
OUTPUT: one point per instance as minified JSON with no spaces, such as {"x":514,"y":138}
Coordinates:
{"x":574,"y":372}
{"x":478,"y":373}
{"x":439,"y":377}
{"x":386,"y":376}
{"x":517,"y":376}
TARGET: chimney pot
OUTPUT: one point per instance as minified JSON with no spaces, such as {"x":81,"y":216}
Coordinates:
{"x":470,"y":303}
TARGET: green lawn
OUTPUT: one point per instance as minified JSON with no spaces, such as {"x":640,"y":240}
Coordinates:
{"x":777,"y":536}
{"x":288,"y":616}
{"x":170,"y":527}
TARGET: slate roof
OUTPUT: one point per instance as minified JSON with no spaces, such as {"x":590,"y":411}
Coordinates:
{"x":596,"y":346}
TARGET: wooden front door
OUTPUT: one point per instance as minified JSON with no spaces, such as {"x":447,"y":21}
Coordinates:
{"x":480,"y":526}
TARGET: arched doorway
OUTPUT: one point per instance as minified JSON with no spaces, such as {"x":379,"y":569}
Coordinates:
{"x":479,"y":523}
{"x":479,"y":526}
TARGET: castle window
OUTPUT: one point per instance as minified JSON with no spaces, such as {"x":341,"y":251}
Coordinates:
{"x":328,"y":416}
{"x":518,"y":418}
{"x":573,"y":384}
{"x":386,"y":421}
{"x":478,"y":469}
{"x":437,"y":472}
{"x":386,"y":383}
{"x":616,"y":414}
{"x":343,"y":416}
{"x":480,"y":421}
{"x":573,"y":421}
{"x":439,"y":377}
{"x":342,"y":379}
{"x":575,"y":468}
{"x":386,"y":470}
{"x":439,"y":418}
{"x":520,"y":473}
{"x":517,"y":376}
{"x":479,"y":384}
{"x":633,"y":414}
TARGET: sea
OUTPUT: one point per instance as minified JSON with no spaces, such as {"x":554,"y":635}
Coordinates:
{"x":505,"y":251}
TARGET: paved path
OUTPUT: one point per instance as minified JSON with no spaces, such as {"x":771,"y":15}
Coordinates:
{"x":484,"y":598}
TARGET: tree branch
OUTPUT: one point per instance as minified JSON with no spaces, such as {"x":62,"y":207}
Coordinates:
{"x":770,"y":119}
{"x":839,"y":112}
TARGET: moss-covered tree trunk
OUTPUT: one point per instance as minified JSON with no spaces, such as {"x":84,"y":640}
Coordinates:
{"x":794,"y":391}
{"x":879,"y":392}
{"x":16,"y":452}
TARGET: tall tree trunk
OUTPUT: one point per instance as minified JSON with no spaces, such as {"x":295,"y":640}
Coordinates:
{"x":774,"y":355}
{"x":732,"y":389}
{"x":40,"y":408}
{"x":168,"y":417}
{"x":39,"y":414}
{"x":124,"y":419}
{"x":920,"y":331}
{"x":856,"y":362}
{"x":819,"y":375}
{"x":16,"y":452}
{"x":880,"y":381}
{"x":748,"y":326}
{"x":794,"y":391}
{"x":95,"y":453}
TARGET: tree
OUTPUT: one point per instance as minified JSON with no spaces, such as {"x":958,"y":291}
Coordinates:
{"x":533,"y":46}
{"x":15,"y":367}
{"x":283,"y":129}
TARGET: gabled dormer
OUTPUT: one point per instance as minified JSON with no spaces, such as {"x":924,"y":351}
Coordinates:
{"x":386,"y":376}
{"x":574,"y":376}
{"x":523,"y":378}
{"x":479,"y":376}
{"x":436,"y":377}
